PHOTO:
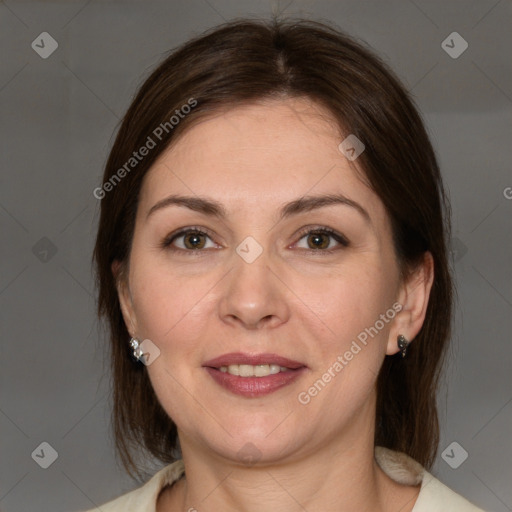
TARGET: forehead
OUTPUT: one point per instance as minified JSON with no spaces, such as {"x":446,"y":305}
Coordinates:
{"x":259,"y":156}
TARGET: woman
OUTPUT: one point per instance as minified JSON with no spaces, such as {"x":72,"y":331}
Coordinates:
{"x":272,"y":262}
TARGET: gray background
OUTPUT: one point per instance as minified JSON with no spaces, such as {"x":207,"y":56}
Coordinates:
{"x":58,"y":116}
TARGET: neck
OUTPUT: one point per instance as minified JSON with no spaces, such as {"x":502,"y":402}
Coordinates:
{"x":340,"y":476}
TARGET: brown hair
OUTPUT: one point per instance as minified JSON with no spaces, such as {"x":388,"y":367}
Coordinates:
{"x":243,"y":61}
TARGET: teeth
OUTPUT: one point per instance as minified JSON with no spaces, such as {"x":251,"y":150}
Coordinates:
{"x":248,"y":370}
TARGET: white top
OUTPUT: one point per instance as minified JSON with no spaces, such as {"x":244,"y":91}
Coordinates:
{"x":434,"y":496}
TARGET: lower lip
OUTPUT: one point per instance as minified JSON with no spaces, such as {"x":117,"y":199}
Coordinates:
{"x":254,"y":386}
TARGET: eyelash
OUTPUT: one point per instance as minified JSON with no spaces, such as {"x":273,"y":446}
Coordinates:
{"x":166,"y":243}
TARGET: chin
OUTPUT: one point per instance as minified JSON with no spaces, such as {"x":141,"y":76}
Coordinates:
{"x":252,"y":451}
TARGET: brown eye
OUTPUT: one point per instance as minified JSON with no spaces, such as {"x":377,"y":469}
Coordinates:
{"x":318,"y":240}
{"x":188,"y":240}
{"x":194,"y":240}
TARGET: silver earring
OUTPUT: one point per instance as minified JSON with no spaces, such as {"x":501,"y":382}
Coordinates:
{"x":402,"y":344}
{"x":137,"y":350}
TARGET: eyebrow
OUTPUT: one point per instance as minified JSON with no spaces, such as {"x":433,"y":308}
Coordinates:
{"x":213,"y":208}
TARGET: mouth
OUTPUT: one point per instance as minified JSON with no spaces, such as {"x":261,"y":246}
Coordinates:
{"x":248,"y":370}
{"x":257,"y":365}
{"x":253,"y":375}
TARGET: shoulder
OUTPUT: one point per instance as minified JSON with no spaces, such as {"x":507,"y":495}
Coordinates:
{"x":144,"y":498}
{"x":434,"y":496}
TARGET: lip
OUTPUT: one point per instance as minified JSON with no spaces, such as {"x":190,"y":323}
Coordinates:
{"x":255,"y":359}
{"x":252,"y":387}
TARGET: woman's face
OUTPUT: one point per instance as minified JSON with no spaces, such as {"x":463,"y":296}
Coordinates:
{"x":257,"y":283}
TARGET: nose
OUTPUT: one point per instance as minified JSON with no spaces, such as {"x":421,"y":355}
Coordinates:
{"x":253,"y":295}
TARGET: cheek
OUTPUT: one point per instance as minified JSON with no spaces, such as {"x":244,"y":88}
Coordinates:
{"x":354,"y":299}
{"x":168,"y":305}
{"x":337,"y":304}
{"x":353,"y":339}
{"x":350,"y":347}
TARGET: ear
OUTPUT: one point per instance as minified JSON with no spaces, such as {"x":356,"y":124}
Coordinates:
{"x":125,"y":297}
{"x":413,"y":297}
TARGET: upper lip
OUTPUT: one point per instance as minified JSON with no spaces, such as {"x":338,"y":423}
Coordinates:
{"x":254,"y":359}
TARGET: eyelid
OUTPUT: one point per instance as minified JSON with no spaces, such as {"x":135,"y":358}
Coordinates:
{"x":341,"y":239}
{"x":166,"y":242}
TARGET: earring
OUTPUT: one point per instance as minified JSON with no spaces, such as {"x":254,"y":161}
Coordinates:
{"x":137,"y":350}
{"x":402,"y":344}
